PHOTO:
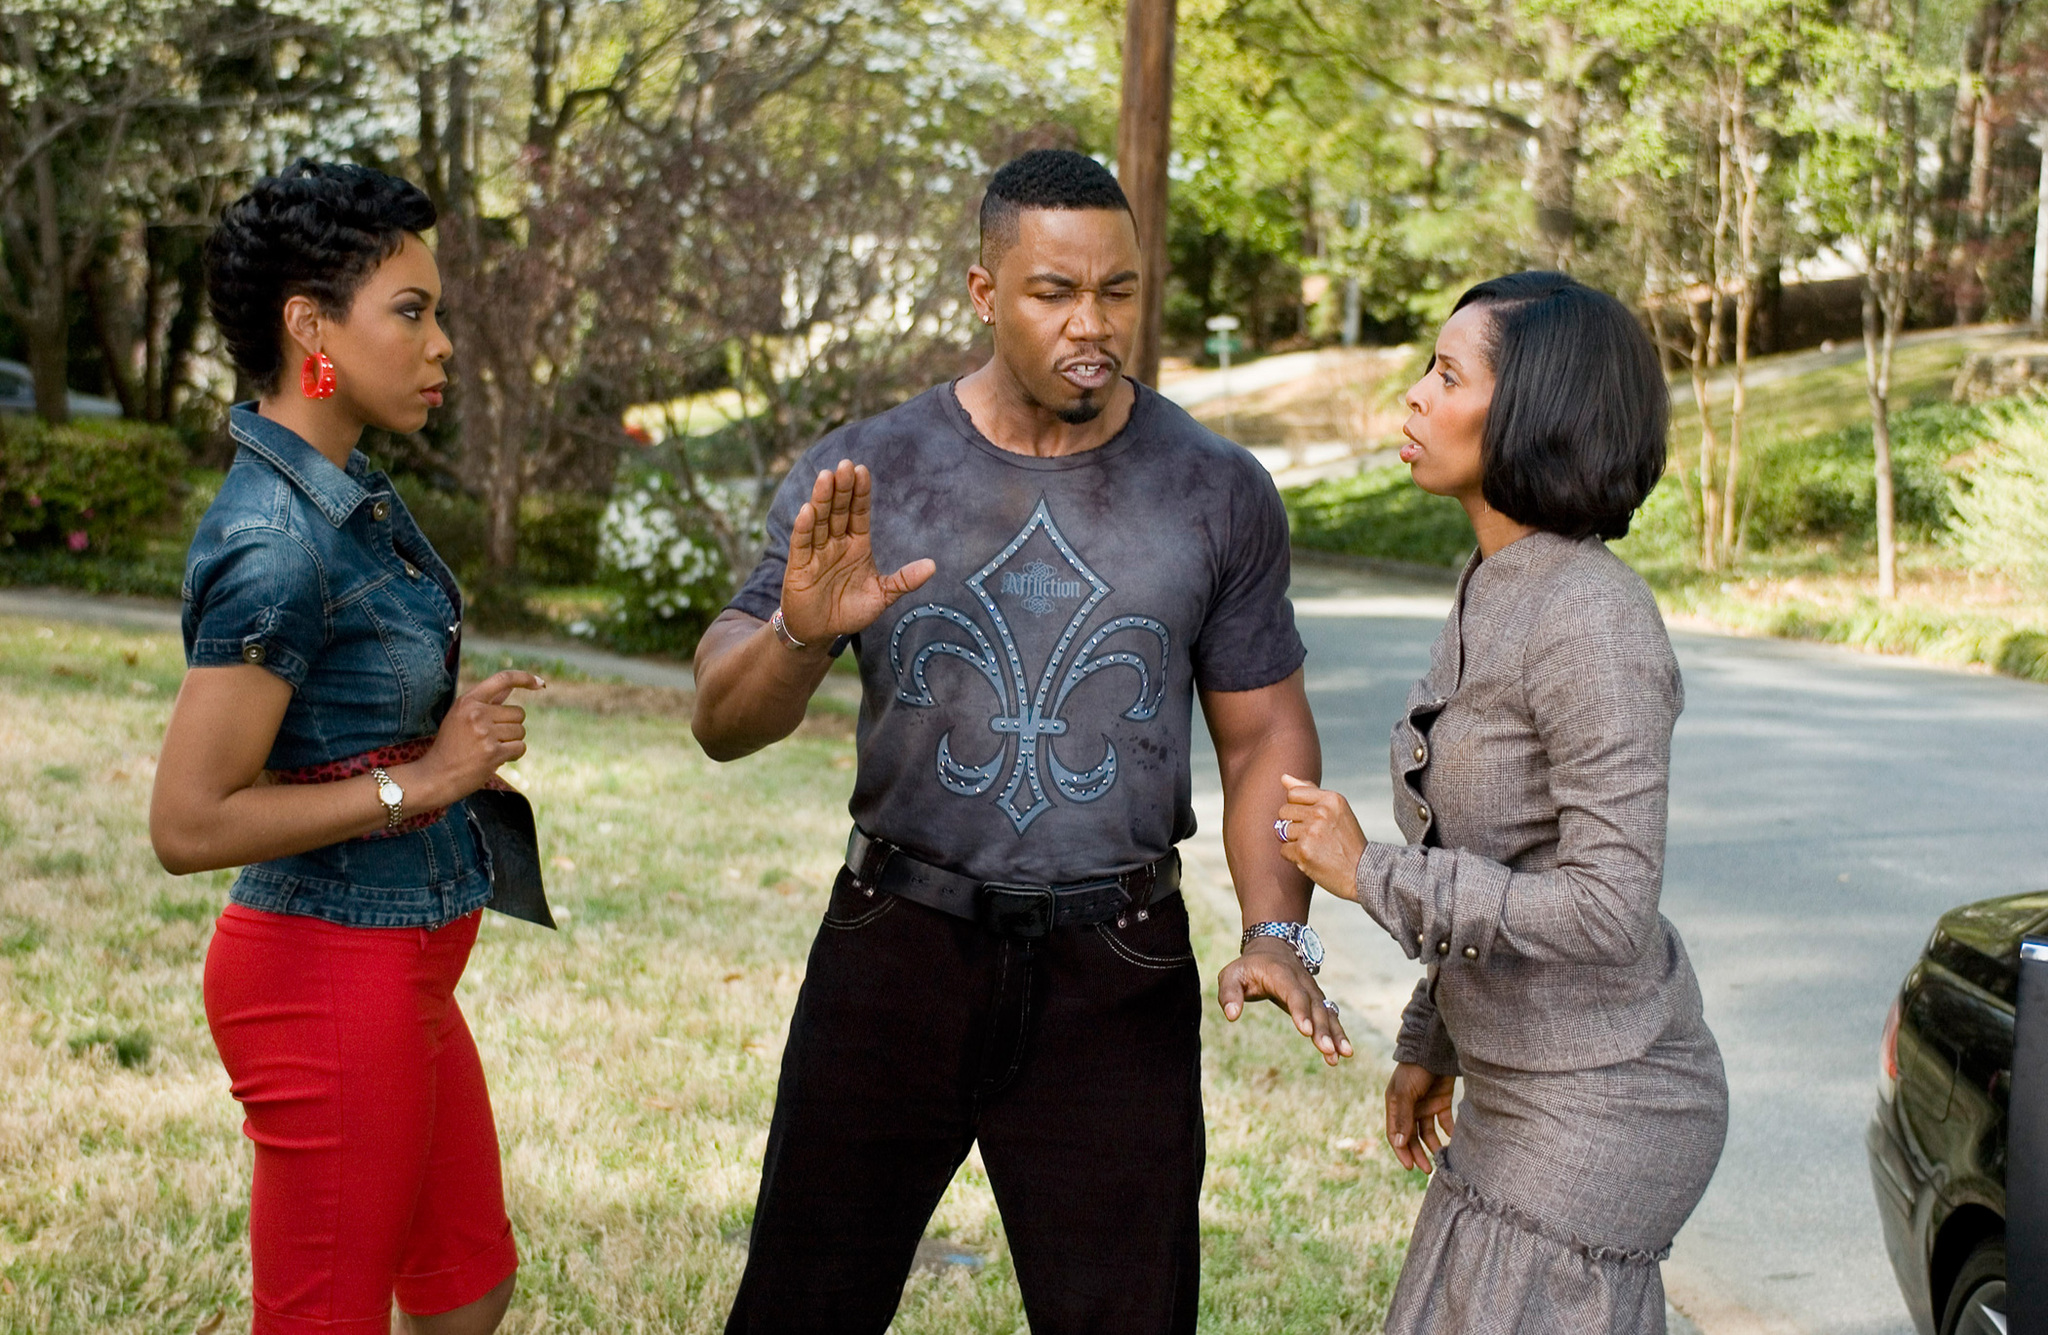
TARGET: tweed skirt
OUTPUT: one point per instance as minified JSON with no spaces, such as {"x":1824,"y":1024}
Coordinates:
{"x":1561,"y":1192}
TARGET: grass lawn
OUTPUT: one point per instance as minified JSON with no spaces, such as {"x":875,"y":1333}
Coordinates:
{"x":1822,"y":399}
{"x":632,"y":1057}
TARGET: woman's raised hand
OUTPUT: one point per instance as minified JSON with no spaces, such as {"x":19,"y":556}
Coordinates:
{"x":480,"y":733}
{"x":1418,"y":1114}
{"x":831,"y":586}
{"x":1322,"y":836}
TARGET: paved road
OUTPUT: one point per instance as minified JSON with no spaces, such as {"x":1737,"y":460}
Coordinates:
{"x":1826,"y":807}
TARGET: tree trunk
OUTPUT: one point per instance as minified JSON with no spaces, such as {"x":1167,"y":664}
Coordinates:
{"x":502,"y":497}
{"x":1954,"y":181}
{"x":47,"y":328}
{"x":181,"y":333}
{"x":2037,"y":308}
{"x":1984,"y":114}
{"x":1745,"y":301}
{"x":1707,"y":351}
{"x":1557,"y":145}
{"x":1704,"y":335}
{"x":1144,"y":139}
{"x":115,"y":341}
{"x":154,"y":408}
{"x":1877,"y":383}
{"x":1887,"y":283}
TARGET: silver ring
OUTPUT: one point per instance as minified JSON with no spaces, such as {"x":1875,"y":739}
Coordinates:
{"x":1280,"y":828}
{"x":1330,"y":1006}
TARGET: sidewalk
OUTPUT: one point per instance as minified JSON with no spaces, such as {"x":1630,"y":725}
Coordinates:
{"x":157,"y":615}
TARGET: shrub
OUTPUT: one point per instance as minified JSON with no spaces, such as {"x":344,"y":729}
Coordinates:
{"x":87,"y":486}
{"x":658,"y":551}
{"x":1663,"y":538}
{"x":1379,"y":513}
{"x":1825,"y":485}
{"x":2002,"y":502}
{"x":557,"y":532}
{"x":453,"y":521}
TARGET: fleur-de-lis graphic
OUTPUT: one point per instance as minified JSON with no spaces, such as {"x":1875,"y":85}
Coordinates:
{"x":1029,"y":703}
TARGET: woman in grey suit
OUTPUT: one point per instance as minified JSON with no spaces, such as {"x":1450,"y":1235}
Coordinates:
{"x":1530,"y":772}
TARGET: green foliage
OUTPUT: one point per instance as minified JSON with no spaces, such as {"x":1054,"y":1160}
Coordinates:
{"x":86,"y":485}
{"x":557,"y":532}
{"x":558,"y":537}
{"x":1822,"y":487}
{"x":1662,"y":538}
{"x":2002,"y":502}
{"x":1819,"y":487}
{"x":1825,"y":485}
{"x":20,"y":938}
{"x":131,"y":1048}
{"x":1379,"y":513}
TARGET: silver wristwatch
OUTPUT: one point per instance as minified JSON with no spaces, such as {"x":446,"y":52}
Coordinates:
{"x":392,"y":796}
{"x":1297,"y":934}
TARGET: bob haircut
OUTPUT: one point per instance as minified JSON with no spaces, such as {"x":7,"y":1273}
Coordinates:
{"x":1575,"y":436}
{"x":317,"y":229}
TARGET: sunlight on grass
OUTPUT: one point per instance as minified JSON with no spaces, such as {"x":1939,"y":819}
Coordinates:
{"x":632,"y":1057}
{"x":1823,"y":399}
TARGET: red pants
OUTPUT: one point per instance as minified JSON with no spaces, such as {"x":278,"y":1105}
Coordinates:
{"x":376,"y":1158}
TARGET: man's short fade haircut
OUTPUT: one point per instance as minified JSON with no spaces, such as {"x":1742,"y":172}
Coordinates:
{"x":1044,"y":178}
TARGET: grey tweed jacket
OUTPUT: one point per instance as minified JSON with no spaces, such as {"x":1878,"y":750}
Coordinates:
{"x":1530,"y":777}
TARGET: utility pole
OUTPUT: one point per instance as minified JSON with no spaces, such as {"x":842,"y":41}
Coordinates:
{"x":1144,"y":139}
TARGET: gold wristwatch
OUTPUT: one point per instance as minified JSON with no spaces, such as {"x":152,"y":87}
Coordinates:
{"x":392,"y":796}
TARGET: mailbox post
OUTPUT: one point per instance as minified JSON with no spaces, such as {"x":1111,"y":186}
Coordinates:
{"x":1221,"y":342}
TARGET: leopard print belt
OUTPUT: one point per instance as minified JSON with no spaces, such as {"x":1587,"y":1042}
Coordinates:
{"x":384,"y":757}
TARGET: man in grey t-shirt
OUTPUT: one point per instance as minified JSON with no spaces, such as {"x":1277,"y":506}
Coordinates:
{"x":1006,"y":958}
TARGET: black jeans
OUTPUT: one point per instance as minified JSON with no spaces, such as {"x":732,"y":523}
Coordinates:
{"x":1075,"y":1060}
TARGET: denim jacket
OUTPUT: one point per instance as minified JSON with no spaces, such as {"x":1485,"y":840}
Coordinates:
{"x":320,"y":576}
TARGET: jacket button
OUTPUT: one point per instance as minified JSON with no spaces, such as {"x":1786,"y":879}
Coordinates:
{"x":380,"y":511}
{"x":1471,"y":952}
{"x":1443,"y":947}
{"x":412,"y":571}
{"x":252,"y":653}
{"x":1422,"y":811}
{"x":1418,"y":938}
{"x":1420,"y":753}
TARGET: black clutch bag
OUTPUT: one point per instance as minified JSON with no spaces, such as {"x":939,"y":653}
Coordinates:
{"x":503,"y":821}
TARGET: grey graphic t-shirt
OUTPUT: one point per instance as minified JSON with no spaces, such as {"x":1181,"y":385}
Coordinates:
{"x":1025,"y":713}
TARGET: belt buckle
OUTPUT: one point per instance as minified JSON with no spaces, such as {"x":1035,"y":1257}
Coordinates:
{"x":1017,"y":910}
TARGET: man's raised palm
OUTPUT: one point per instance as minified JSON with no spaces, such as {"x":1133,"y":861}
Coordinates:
{"x":832,"y":586}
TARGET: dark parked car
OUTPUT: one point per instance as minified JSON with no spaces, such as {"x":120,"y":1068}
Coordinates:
{"x":1938,"y":1141}
{"x":18,"y":395}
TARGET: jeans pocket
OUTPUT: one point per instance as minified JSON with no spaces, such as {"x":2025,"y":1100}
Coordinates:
{"x":1159,"y":942}
{"x":852,"y":908}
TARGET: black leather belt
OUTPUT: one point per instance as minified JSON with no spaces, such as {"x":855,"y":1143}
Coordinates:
{"x":1013,"y":910}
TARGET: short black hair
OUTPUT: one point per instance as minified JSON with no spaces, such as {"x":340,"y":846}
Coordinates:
{"x":317,"y":229}
{"x":1575,"y":436}
{"x":1044,"y":178}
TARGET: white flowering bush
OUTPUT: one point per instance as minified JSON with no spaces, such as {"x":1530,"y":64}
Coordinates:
{"x":658,"y":551}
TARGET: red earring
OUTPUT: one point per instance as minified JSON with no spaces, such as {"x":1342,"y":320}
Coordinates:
{"x":316,"y":377}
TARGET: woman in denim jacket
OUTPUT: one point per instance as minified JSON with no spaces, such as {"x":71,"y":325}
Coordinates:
{"x":317,"y":743}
